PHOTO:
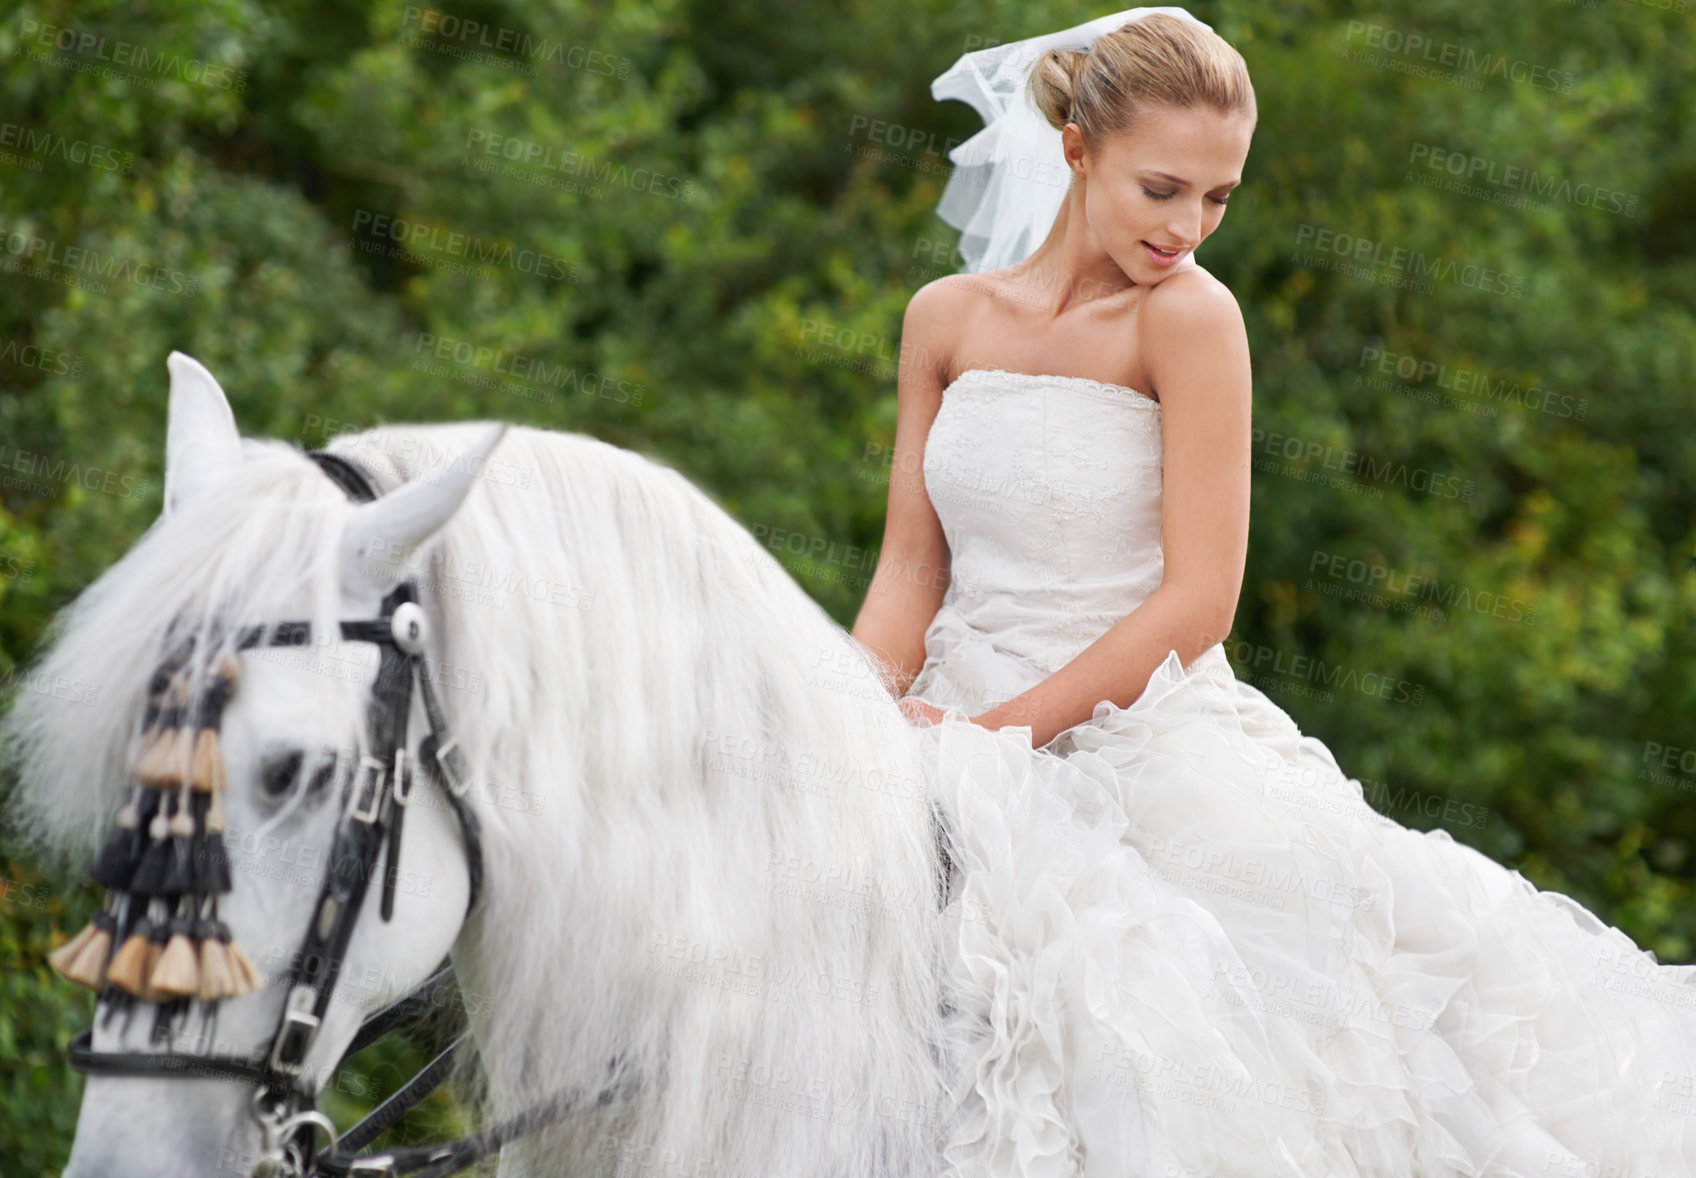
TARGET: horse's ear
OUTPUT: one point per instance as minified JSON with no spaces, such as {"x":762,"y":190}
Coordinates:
{"x":379,"y":534}
{"x":202,"y":444}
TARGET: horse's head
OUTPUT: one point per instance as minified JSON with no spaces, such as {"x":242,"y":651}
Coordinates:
{"x":276,"y":752}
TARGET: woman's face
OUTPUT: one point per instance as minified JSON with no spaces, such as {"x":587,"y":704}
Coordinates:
{"x":1160,"y":186}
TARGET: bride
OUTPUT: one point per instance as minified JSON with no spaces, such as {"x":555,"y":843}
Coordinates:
{"x":1187,"y":945}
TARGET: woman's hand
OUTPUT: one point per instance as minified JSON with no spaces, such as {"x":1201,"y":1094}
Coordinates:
{"x":923,"y":715}
{"x":918,"y":712}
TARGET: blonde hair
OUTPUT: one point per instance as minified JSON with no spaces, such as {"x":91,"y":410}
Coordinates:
{"x":1157,"y":60}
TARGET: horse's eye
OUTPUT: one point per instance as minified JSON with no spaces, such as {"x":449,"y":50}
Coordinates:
{"x":277,"y":772}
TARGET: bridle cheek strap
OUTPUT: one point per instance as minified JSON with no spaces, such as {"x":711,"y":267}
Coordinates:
{"x":378,"y":793}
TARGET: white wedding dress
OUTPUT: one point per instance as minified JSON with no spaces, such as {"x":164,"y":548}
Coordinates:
{"x":1187,"y":947}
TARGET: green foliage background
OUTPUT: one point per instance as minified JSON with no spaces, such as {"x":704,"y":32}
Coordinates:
{"x":734,"y":213}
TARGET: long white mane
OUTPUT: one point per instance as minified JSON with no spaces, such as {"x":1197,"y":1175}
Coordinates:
{"x":709,"y":848}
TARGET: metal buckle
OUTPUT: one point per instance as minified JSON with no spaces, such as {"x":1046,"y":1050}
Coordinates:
{"x":454,"y":783}
{"x":295,"y":1034}
{"x":382,"y":1164}
{"x":364,"y":786}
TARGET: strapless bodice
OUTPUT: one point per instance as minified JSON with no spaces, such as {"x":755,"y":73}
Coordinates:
{"x":1048,"y":489}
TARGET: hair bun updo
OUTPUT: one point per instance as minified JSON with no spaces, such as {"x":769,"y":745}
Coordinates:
{"x":1156,"y":60}
{"x":1053,"y":82}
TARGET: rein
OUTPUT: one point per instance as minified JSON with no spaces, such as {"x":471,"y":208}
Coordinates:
{"x":284,"y":1099}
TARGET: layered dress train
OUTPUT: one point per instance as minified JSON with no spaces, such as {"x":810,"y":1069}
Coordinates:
{"x":1182,"y":942}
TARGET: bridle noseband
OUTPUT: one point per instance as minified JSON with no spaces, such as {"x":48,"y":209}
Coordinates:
{"x":378,"y":794}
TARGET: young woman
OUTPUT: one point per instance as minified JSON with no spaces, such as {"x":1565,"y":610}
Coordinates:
{"x":1187,"y":944}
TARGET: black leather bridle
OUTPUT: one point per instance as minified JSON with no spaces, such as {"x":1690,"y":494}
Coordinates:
{"x":378,"y":793}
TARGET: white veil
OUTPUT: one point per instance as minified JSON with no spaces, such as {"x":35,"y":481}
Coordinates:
{"x":1010,"y":179}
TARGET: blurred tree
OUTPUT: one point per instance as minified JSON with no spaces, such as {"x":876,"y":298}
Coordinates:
{"x":692,"y":228}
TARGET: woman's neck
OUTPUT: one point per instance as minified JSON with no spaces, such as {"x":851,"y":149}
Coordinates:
{"x":1070,"y":268}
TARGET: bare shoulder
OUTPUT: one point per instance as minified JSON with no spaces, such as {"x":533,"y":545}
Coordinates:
{"x":932,"y":326}
{"x":1192,"y":303}
{"x":945,"y":300}
{"x":1193,"y":340}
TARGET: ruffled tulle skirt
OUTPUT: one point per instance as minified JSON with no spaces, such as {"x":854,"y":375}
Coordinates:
{"x":1187,"y":946}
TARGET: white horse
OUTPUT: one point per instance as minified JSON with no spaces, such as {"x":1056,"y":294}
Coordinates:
{"x":709,"y":847}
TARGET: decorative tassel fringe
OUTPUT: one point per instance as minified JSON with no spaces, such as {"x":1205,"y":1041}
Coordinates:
{"x":128,"y":970}
{"x":247,"y":975}
{"x":150,"y":872}
{"x":62,"y":957}
{"x":178,"y":971}
{"x":179,"y":866}
{"x":167,"y":753}
{"x":206,"y":771}
{"x":116,"y":866}
{"x":82,"y":959}
{"x":155,"y":950}
{"x":226,"y":971}
{"x":217,"y":979}
{"x":211,"y":865}
{"x":167,"y":855}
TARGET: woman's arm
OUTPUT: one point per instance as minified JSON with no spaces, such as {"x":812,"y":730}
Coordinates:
{"x":913,"y":564}
{"x":1199,"y":364}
